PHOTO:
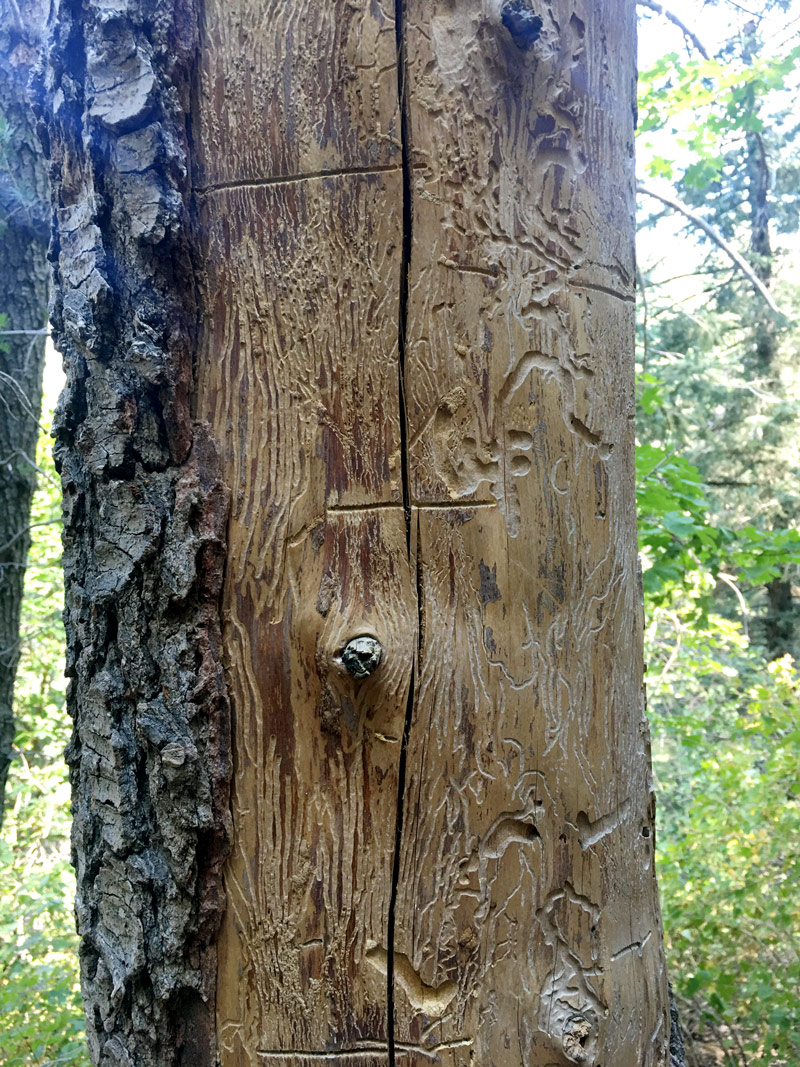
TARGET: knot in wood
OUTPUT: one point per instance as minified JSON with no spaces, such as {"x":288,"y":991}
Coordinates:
{"x":521,"y":22}
{"x":579,"y":1038}
{"x":362,"y":656}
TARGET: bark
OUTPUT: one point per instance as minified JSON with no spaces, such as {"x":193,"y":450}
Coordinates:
{"x":144,"y":513}
{"x":24,"y":282}
{"x":677,"y":1051}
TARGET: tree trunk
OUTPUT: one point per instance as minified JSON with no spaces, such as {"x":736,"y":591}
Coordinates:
{"x":144,"y":515}
{"x":413,"y":274}
{"x":24,"y":282}
{"x":780,"y":619}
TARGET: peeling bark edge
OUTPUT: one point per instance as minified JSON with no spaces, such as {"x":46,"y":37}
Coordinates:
{"x":677,"y":1052}
{"x":144,"y":544}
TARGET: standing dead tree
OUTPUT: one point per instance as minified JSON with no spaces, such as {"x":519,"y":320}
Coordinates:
{"x":367,"y":274}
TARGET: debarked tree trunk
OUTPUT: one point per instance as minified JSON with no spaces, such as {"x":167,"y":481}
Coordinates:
{"x":366,"y":274}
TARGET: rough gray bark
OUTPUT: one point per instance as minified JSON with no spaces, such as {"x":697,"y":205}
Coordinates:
{"x":780,"y":621}
{"x":23,"y":300}
{"x":144,"y":514}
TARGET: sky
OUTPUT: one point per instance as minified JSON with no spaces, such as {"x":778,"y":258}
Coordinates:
{"x":713,"y":24}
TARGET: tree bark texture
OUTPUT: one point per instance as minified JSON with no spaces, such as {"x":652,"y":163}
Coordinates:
{"x":780,"y":622}
{"x":144,"y":514}
{"x":416,"y":359}
{"x":412,"y":279}
{"x":24,"y":285}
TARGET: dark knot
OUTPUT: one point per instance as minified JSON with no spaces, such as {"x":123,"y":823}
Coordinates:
{"x":362,"y":656}
{"x":521,"y":22}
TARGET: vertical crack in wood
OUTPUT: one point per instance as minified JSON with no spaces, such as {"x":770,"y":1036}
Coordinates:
{"x":405,"y":263}
{"x":405,"y":148}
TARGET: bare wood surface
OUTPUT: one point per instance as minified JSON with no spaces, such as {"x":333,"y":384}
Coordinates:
{"x":298,"y":376}
{"x":526,"y":904}
{"x":291,"y":87}
{"x":518,"y":922}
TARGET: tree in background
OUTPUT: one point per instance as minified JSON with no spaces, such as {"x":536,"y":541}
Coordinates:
{"x":727,"y":371}
{"x":718,"y":499}
{"x":24,"y":281}
{"x":41,"y":1015}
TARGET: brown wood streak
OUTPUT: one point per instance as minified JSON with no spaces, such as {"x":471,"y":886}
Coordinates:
{"x":526,"y":885}
{"x":295,"y":86}
{"x":298,"y":378}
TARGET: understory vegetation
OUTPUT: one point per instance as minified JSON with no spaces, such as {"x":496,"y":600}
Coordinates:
{"x":718,"y":479}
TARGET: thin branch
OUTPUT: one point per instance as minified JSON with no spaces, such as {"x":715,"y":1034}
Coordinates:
{"x":17,"y":22}
{"x":717,"y":238}
{"x":642,"y":288}
{"x":25,"y":333}
{"x":18,"y":452}
{"x":655,"y":282}
{"x":26,"y":529}
{"x":676,"y":650}
{"x":21,"y":399}
{"x":730,"y":581}
{"x":673,"y":18}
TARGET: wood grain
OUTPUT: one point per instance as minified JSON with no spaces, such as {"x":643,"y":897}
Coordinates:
{"x":518,"y":923}
{"x":290,"y":87}
{"x":526,"y":881}
{"x":298,"y":378}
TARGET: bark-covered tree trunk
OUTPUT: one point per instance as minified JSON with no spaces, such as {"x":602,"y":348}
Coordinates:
{"x":144,"y":514}
{"x":369,"y":271}
{"x":24,"y":284}
{"x":780,"y":623}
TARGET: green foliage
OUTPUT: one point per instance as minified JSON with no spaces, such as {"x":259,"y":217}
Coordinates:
{"x":727,"y":729}
{"x":704,"y":105}
{"x":677,"y":539}
{"x":42,"y":1017}
{"x":717,"y":488}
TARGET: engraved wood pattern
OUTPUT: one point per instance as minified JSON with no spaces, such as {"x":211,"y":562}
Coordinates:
{"x":298,"y":378}
{"x":489,"y":229}
{"x":526,"y":887}
{"x":291,"y":87}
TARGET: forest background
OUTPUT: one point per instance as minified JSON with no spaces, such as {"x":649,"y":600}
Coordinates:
{"x":718,"y":486}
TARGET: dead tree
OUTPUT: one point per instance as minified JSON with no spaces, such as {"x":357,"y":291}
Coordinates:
{"x":346,"y":295}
